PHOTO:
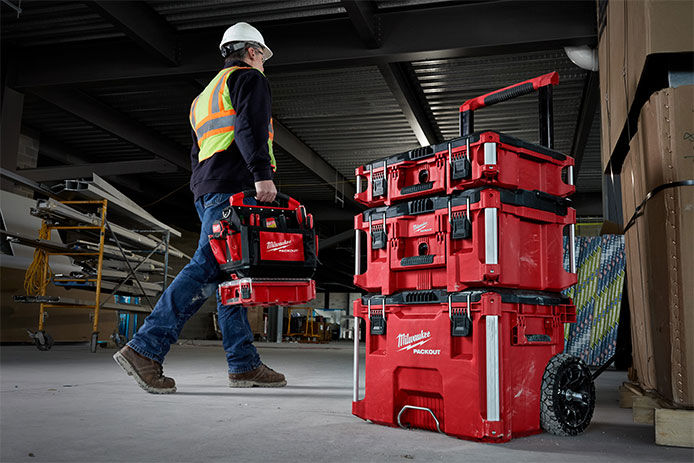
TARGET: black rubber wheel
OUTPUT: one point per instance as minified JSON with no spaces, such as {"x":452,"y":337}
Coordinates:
{"x":567,"y":397}
{"x":119,"y":340}
{"x":43,"y":341}
{"x":94,"y":341}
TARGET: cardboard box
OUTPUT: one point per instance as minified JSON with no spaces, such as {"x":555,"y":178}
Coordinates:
{"x":634,"y":30}
{"x":660,"y":245}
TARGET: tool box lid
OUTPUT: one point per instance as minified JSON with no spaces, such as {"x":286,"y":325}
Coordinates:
{"x":430,"y":150}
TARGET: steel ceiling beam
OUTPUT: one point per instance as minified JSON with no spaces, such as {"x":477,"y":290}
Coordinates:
{"x":143,"y":25}
{"x":334,"y":240}
{"x":398,"y":76}
{"x":459,"y":30}
{"x":57,"y":151}
{"x":586,"y":114}
{"x":115,"y":122}
{"x":408,"y":93}
{"x":311,"y":160}
{"x":362,"y":13}
{"x":45,"y":174}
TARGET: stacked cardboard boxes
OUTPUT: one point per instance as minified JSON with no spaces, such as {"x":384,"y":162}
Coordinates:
{"x":660,"y":244}
{"x":636,"y":38}
{"x":653,"y":124}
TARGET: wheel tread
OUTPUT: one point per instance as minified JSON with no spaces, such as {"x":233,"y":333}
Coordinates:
{"x":549,"y":419}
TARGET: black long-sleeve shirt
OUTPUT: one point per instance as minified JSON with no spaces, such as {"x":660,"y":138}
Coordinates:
{"x":247,"y":160}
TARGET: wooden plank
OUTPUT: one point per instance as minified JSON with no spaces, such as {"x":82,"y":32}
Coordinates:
{"x":643,"y":409}
{"x":626,"y":397}
{"x":674,"y":427}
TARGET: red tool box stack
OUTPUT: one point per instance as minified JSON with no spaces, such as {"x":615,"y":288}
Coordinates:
{"x":464,"y":255}
{"x":259,"y":245}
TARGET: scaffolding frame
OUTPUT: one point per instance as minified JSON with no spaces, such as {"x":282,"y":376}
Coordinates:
{"x":100,"y":253}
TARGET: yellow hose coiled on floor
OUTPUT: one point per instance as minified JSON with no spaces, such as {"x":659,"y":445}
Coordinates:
{"x":34,"y":274}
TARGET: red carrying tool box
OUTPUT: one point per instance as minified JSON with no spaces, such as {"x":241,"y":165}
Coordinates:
{"x":267,"y":241}
{"x":475,"y":159}
{"x":477,"y":237}
{"x":269,"y":250}
{"x":483,"y":364}
{"x":266,"y":293}
{"x":495,"y":159}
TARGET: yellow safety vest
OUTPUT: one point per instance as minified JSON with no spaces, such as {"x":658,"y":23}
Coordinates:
{"x":213,"y":118}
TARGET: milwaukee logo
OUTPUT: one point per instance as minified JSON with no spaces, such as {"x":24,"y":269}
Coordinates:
{"x":421,"y":227}
{"x":280,"y":246}
{"x":407,"y":342}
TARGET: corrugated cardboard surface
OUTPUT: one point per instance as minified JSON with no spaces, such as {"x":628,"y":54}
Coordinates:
{"x":67,"y":325}
{"x":636,"y":252}
{"x":660,"y":246}
{"x":634,"y":30}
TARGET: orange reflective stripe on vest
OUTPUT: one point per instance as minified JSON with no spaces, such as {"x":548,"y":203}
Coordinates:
{"x":213,"y":118}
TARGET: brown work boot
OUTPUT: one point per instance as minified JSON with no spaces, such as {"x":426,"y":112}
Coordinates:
{"x":260,"y":377}
{"x":147,"y":372}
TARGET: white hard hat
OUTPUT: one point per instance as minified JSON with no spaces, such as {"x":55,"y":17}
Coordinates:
{"x":244,"y":32}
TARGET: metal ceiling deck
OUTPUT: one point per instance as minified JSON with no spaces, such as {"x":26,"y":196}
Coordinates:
{"x":447,"y":84}
{"x":348,"y":116}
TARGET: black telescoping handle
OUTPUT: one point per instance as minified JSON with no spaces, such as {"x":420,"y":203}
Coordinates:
{"x":542,"y":83}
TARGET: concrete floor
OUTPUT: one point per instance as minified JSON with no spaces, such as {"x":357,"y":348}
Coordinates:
{"x":70,"y":405}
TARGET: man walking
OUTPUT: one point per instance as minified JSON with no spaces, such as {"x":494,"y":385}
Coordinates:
{"x":232,"y":151}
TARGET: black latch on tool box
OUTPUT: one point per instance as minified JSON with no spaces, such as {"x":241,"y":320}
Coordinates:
{"x":461,"y":325}
{"x":460,"y":168}
{"x":379,"y":237}
{"x":460,"y":226}
{"x":379,"y":185}
{"x":377,"y":318}
{"x":378,"y":324}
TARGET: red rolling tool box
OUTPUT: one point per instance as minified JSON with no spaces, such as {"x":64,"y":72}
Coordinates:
{"x":259,"y":246}
{"x":484,"y":364}
{"x":477,"y":237}
{"x":475,"y":159}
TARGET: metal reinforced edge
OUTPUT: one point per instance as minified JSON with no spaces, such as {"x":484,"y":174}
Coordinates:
{"x":357,"y":252}
{"x":491,"y":237}
{"x":490,"y":153}
{"x":492,"y":342}
{"x":355,"y":385}
{"x":572,"y":231}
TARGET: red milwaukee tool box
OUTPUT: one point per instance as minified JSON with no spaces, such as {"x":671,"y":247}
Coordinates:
{"x":265,"y":241}
{"x":486,"y":158}
{"x":475,"y":159}
{"x":483,"y":364}
{"x":266,"y":293}
{"x":477,"y":237}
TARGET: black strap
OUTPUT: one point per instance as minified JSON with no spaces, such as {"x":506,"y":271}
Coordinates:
{"x":639,"y":209}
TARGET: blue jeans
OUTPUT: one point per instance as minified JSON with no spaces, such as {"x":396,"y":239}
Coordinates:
{"x":186,"y":294}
